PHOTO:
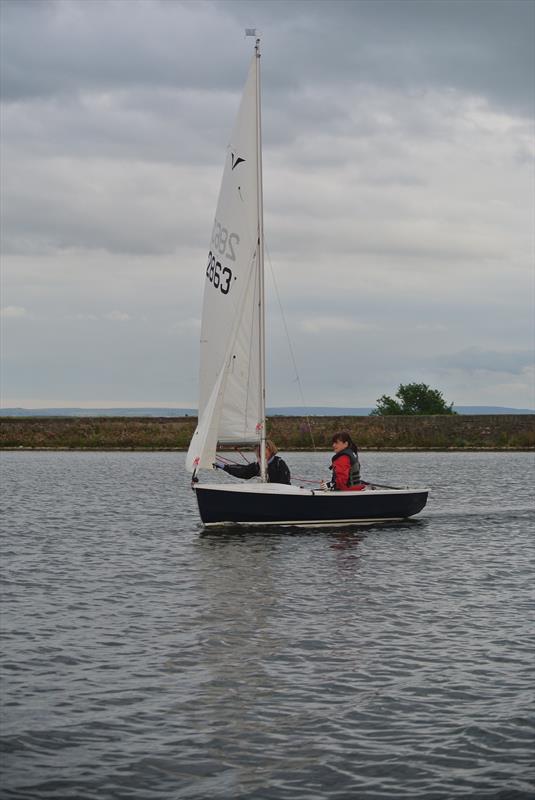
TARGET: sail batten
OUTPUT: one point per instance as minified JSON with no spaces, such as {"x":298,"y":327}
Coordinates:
{"x":231,"y":370}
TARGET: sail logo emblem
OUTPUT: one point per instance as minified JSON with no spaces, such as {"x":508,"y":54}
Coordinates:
{"x":236,"y":160}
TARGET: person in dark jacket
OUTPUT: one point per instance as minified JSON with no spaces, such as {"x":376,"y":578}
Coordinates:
{"x":277,"y":469}
{"x":345,"y":464}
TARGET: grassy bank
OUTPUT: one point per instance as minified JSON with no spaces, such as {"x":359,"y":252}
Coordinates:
{"x":499,"y":432}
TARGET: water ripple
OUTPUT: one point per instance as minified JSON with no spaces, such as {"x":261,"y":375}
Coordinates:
{"x":144,"y":658}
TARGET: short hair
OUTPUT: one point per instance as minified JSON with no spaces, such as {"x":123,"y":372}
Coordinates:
{"x":270,"y":444}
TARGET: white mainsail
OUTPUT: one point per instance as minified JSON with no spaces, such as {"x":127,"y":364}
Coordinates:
{"x":231,"y":399}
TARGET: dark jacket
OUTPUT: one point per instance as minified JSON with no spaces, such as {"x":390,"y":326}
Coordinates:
{"x":277,"y":470}
{"x":346,"y":470}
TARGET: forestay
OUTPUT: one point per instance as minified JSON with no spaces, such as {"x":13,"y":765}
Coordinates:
{"x":230,"y":409}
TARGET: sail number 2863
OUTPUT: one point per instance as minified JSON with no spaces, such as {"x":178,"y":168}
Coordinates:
{"x":223,"y":242}
{"x":219,"y":276}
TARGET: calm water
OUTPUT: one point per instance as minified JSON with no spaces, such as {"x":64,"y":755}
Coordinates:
{"x":144,"y":659}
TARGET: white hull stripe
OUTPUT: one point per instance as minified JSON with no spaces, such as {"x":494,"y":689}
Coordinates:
{"x":315,"y":523}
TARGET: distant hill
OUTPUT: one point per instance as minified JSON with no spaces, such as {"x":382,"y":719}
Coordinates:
{"x":285,"y":411}
{"x":332,"y":411}
{"x":492,"y":410}
{"x":98,"y":412}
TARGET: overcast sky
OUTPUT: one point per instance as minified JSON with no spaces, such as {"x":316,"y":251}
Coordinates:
{"x":399,"y":195}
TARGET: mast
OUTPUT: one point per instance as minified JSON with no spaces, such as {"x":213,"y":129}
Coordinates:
{"x":261,"y":292}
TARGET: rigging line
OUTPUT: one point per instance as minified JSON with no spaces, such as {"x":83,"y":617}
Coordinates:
{"x":290,"y":347}
{"x":229,"y":460}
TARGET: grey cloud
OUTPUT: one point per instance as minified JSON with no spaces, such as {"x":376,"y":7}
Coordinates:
{"x":52,"y":47}
{"x":475,"y":46}
{"x":161,"y":125}
{"x":473,"y":359}
{"x":482,"y":47}
{"x":59,"y":203}
{"x":397,"y":206}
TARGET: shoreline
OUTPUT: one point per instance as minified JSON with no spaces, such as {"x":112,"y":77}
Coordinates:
{"x":446,"y":433}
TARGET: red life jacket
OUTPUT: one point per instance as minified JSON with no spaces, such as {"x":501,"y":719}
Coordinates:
{"x":346,"y":471}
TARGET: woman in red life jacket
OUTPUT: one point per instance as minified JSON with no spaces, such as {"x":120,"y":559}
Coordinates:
{"x":345,"y":464}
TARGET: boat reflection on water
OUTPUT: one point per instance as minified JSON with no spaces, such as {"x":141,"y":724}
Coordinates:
{"x":347,"y":535}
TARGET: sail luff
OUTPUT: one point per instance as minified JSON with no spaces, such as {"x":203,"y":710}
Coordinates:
{"x":261,"y":292}
{"x":232,"y":330}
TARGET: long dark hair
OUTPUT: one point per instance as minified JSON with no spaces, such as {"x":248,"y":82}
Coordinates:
{"x":345,"y":436}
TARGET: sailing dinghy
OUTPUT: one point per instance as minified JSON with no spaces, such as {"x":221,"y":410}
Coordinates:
{"x":232,"y":359}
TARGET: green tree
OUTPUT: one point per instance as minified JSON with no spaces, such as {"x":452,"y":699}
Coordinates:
{"x":413,"y":398}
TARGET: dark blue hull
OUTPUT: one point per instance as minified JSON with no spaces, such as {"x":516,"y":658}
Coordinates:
{"x":219,"y":507}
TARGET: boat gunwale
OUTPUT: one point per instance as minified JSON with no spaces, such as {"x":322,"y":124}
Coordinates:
{"x":292,"y":491}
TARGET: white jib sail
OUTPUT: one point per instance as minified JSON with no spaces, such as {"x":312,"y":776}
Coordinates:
{"x":229,"y":382}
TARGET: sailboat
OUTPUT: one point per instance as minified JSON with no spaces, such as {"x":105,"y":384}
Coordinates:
{"x":232,"y":406}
